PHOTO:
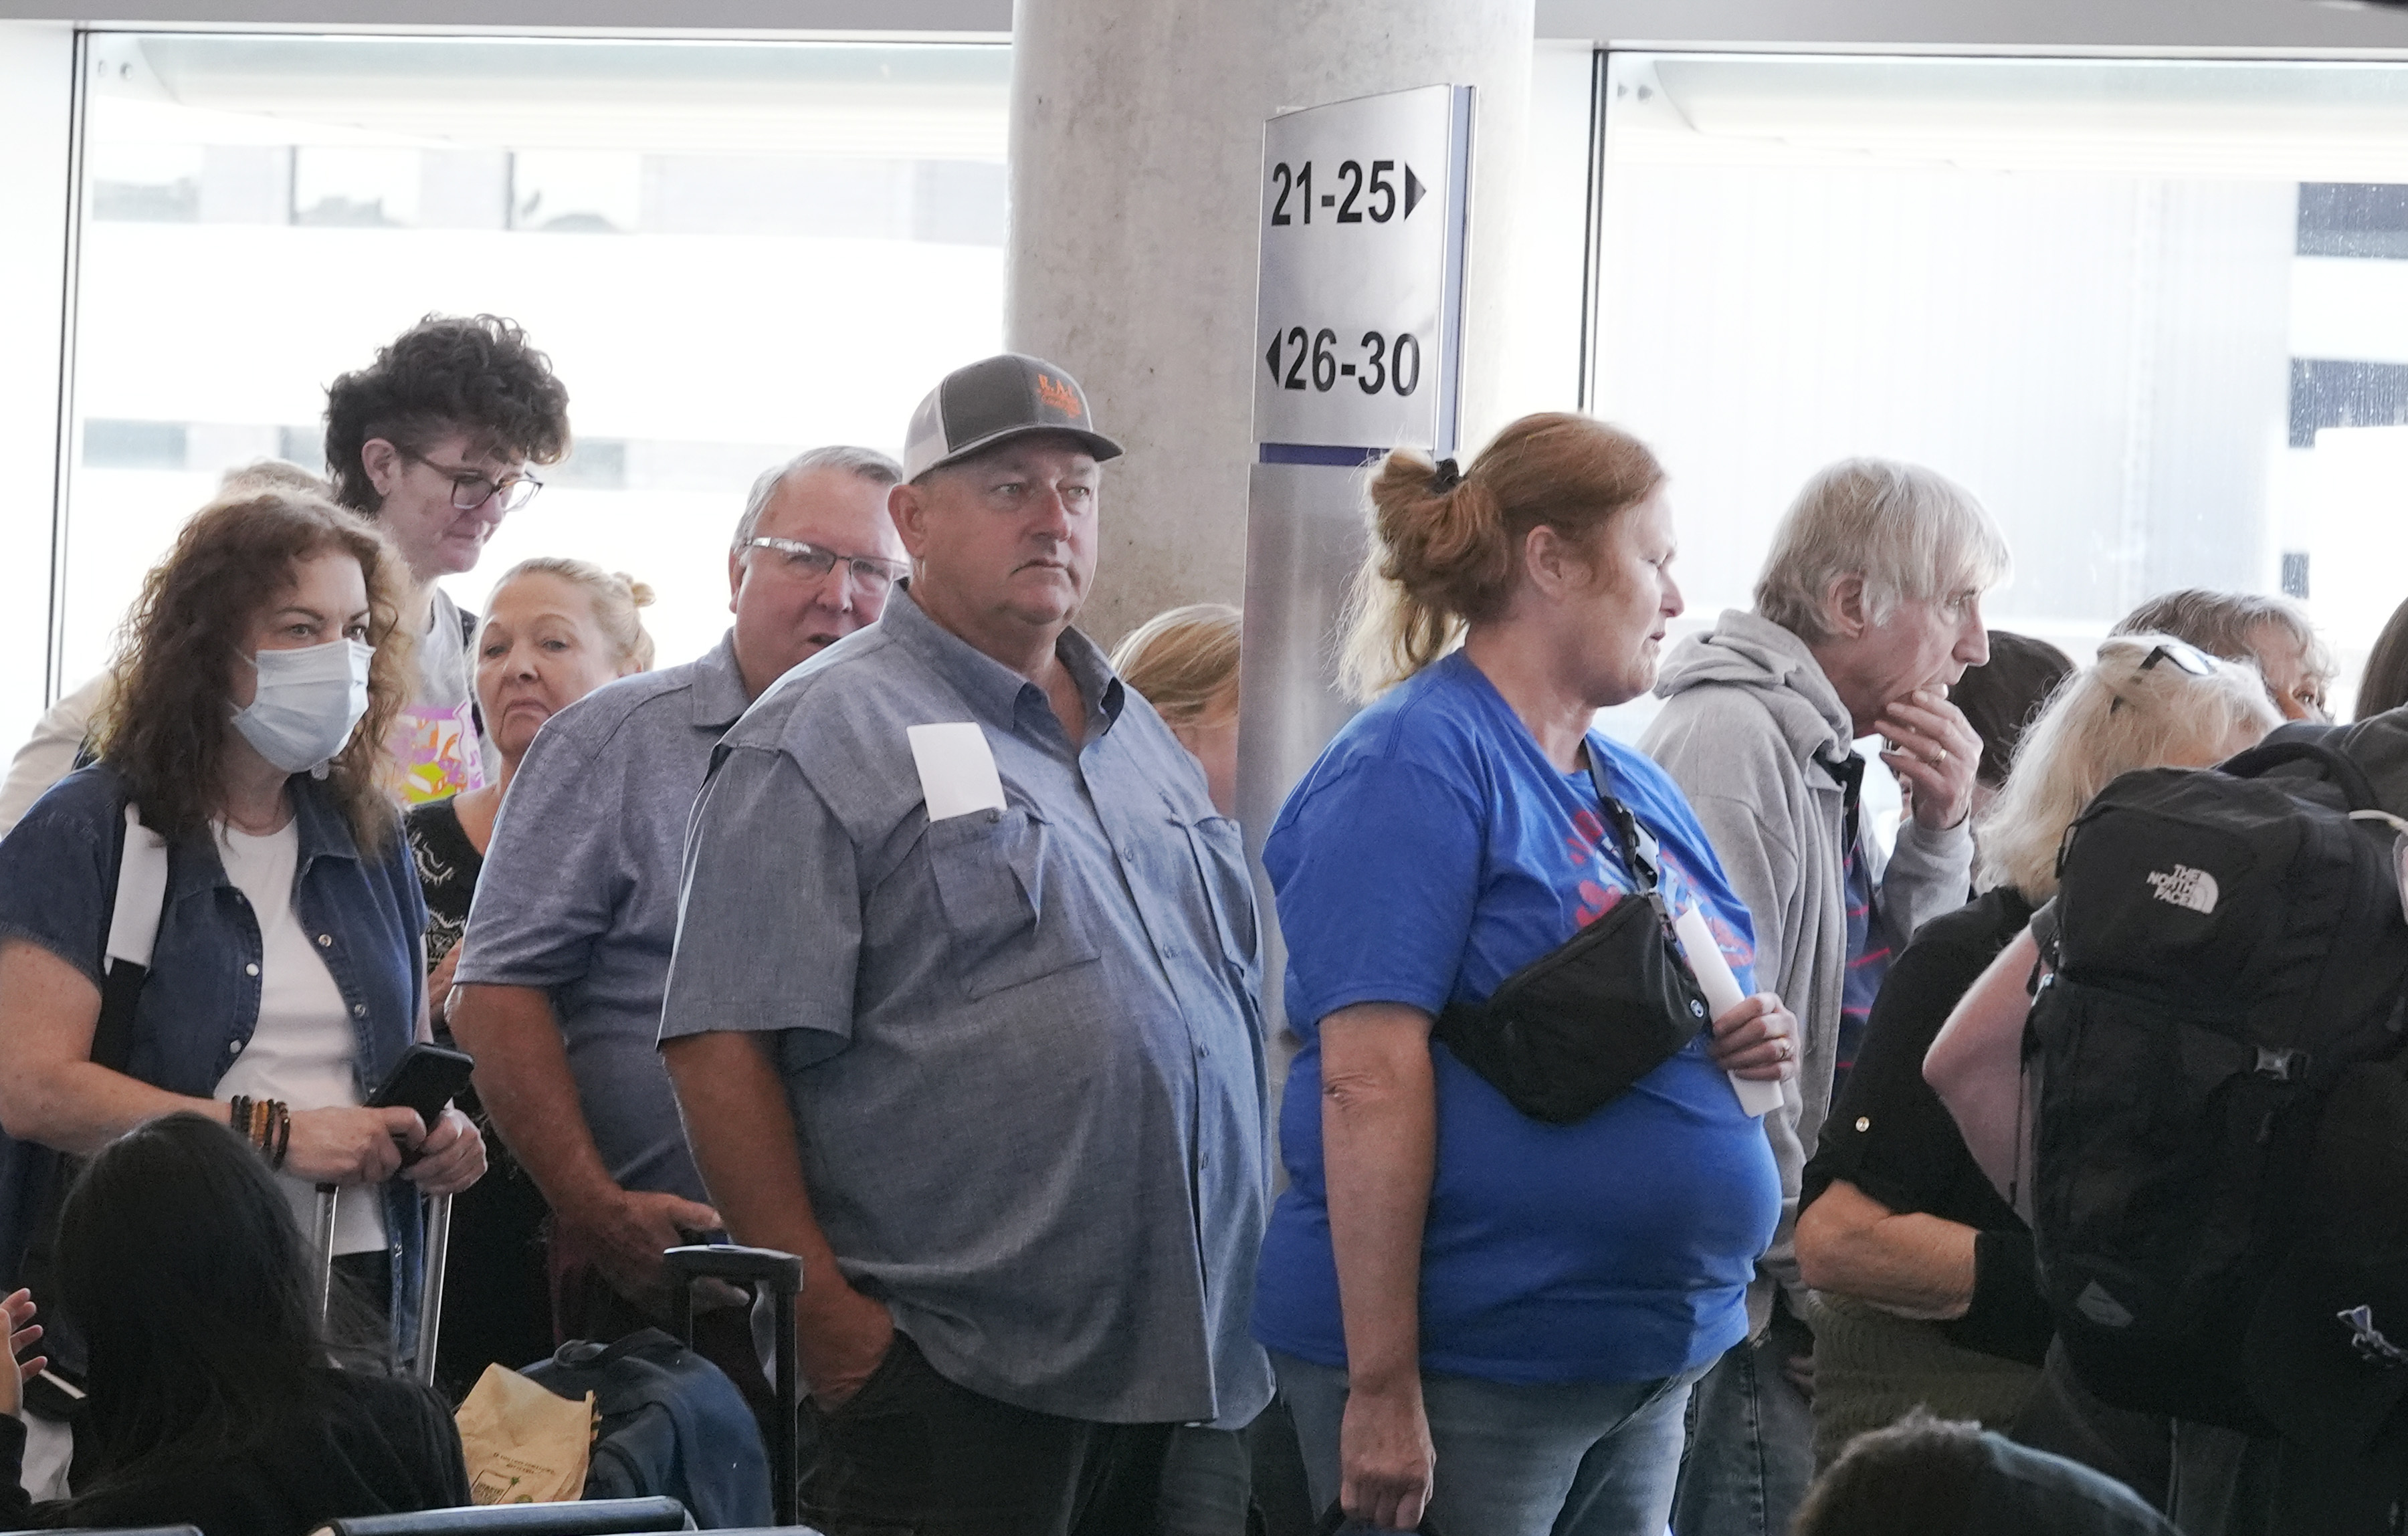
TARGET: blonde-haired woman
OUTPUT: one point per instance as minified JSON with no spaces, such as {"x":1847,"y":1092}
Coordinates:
{"x":1923,"y":1273}
{"x":1473,"y":1309}
{"x":1184,"y":661}
{"x":554,"y":630}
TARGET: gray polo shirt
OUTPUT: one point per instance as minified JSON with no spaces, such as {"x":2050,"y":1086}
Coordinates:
{"x":1022,"y":1046}
{"x":579,"y":894}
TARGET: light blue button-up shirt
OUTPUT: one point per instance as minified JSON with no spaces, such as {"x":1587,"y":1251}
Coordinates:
{"x":578,"y":895}
{"x":1022,"y":1046}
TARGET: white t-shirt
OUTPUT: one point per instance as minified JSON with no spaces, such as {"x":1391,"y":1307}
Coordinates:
{"x":304,"y":1050}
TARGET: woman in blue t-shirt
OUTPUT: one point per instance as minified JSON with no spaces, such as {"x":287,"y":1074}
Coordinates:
{"x":1469,"y":1308}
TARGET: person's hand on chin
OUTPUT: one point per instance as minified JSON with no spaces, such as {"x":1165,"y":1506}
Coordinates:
{"x":1934,"y":752}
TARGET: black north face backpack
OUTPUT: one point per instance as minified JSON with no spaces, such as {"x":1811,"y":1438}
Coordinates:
{"x":2226,"y":945}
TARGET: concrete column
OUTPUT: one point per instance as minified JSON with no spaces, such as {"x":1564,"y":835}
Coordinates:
{"x":1135,"y":164}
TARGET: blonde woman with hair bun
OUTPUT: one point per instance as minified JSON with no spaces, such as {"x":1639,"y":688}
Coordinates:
{"x":555,"y":629}
{"x":1474,"y":1311}
{"x":1923,"y":1274}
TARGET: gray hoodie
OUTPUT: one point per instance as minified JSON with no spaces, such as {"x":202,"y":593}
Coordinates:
{"x":1747,"y":712}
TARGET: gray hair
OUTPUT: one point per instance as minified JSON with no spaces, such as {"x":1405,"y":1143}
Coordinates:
{"x":1912,"y":534}
{"x":869,"y":464}
{"x":2226,"y":625}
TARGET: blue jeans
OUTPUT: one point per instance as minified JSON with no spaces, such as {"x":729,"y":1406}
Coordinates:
{"x":1573,"y":1459}
{"x":1750,"y":1448}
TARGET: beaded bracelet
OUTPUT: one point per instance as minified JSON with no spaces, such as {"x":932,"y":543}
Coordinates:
{"x":266,"y":1124}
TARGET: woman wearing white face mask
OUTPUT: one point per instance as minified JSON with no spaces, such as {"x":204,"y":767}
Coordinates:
{"x":254,"y":682}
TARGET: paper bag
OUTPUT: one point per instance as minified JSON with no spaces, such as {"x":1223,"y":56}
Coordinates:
{"x":524,"y":1445}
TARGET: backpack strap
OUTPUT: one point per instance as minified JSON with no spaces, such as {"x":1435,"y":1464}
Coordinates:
{"x":133,"y":932}
{"x":2262,"y":760}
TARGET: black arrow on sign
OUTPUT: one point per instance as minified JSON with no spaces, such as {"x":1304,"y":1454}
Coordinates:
{"x":1271,"y":357}
{"x":1414,"y":190}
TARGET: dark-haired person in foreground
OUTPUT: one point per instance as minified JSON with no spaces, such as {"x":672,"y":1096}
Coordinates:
{"x":1924,"y":1476}
{"x":257,"y":673}
{"x":963,"y":1011}
{"x":433,"y":441}
{"x":211,"y":1401}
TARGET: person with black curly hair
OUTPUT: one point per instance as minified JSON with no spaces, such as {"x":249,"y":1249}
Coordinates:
{"x":435,"y":441}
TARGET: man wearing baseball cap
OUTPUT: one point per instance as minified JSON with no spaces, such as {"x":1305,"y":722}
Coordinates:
{"x":964,"y":1011}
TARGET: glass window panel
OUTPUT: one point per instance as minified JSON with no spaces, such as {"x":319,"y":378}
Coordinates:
{"x":343,"y":186}
{"x":2154,"y":313}
{"x":808,"y":236}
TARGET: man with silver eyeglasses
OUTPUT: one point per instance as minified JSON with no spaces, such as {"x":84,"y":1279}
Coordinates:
{"x":566,"y":954}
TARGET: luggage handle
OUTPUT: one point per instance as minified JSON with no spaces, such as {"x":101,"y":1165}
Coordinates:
{"x":2263,"y":758}
{"x":782,"y":1272}
{"x":782,"y":1275}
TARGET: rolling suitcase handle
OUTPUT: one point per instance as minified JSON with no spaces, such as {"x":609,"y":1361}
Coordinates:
{"x":782,"y":1275}
{"x":430,"y":1294}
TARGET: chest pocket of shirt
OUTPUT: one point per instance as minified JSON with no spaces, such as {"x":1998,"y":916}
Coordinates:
{"x":991,"y":871}
{"x":1221,"y":862}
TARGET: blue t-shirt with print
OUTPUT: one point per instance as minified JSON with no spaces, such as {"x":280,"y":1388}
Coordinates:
{"x":1432,"y":851}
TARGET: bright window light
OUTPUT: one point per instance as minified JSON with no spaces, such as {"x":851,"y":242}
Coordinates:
{"x":732,"y":251}
{"x":2153,"y":313}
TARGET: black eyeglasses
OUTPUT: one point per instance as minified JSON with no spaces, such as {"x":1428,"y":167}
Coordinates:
{"x":2183,"y":656}
{"x":471,"y":490}
{"x":810,"y":561}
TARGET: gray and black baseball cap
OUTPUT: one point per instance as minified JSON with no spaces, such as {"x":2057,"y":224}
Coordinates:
{"x":994,"y":400}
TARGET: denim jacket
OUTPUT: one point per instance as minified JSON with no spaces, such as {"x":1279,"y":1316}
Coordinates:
{"x":58,"y":888}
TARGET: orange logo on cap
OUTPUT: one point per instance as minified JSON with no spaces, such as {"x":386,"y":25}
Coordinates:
{"x":1060,"y":396}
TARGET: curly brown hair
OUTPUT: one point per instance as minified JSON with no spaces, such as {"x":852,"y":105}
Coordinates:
{"x":167,"y":721}
{"x":447,"y":373}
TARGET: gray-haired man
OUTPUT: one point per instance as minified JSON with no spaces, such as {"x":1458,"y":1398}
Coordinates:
{"x":1869,"y":609}
{"x":964,"y":1013}
{"x":566,"y":954}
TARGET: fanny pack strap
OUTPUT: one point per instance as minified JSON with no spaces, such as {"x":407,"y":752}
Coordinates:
{"x":1637,"y":845}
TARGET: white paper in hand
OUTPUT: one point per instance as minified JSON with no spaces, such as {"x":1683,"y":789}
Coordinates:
{"x":956,"y":769}
{"x":1714,"y":979}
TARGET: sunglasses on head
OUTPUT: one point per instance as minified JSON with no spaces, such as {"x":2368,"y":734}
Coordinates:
{"x":2186,"y":656}
{"x":2190,"y":659}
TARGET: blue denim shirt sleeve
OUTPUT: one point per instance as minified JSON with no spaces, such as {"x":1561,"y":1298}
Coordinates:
{"x":770,"y":935}
{"x":58,"y":872}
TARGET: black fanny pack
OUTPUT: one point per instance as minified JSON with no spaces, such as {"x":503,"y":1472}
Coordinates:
{"x":1566,"y":1035}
